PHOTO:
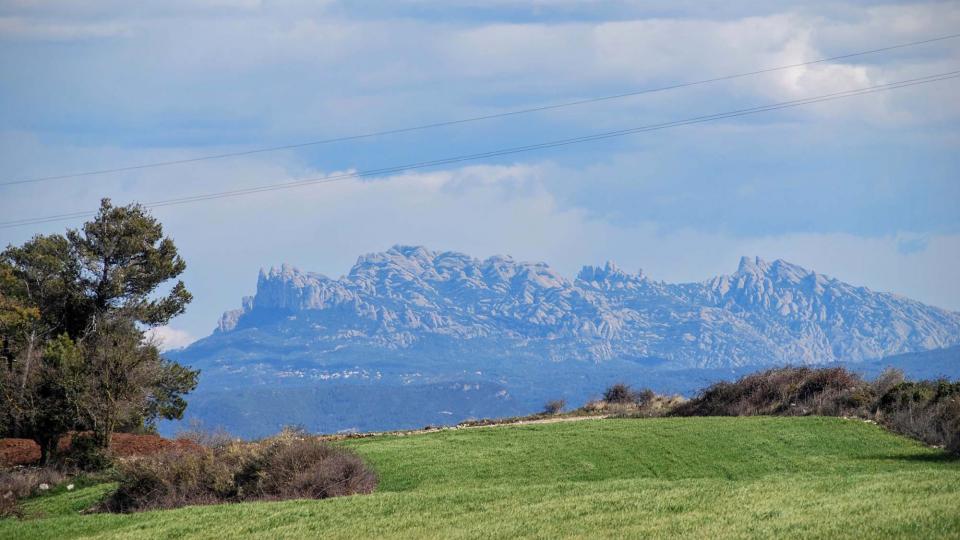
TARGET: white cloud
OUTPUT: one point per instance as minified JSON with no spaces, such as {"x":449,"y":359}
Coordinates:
{"x":168,"y":338}
{"x":298,"y":71}
{"x":324,"y":228}
{"x":481,"y":210}
{"x":26,"y":29}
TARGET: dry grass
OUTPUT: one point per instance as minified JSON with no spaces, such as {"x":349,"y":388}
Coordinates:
{"x":21,"y":482}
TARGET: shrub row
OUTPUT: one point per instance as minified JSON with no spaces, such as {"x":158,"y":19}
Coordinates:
{"x":783,"y":391}
{"x":925,"y":410}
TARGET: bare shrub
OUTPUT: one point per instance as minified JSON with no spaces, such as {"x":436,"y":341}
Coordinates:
{"x":271,"y":472}
{"x":170,"y":479}
{"x":23,"y":482}
{"x":888,"y":380}
{"x":290,"y":465}
{"x":9,"y":506}
{"x":293,"y":465}
{"x":554,"y":406}
{"x":925,"y":410}
{"x":198,"y":435}
{"x":644,"y":397}
{"x":336,"y":476}
{"x":595,"y":405}
{"x":950,"y":419}
{"x":928,"y":411}
{"x":619,"y":393}
{"x":783,"y":391}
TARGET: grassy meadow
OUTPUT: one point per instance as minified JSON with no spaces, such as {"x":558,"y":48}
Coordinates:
{"x":703,"y":477}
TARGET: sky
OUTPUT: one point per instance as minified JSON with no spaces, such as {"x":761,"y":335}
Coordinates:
{"x":864,"y":189}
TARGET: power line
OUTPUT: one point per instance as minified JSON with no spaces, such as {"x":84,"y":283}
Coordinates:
{"x":474,"y":118}
{"x":507,"y":151}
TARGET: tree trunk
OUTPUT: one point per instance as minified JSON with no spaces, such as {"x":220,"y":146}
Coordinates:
{"x":48,"y":446}
{"x":103,"y":432}
{"x":28,"y":360}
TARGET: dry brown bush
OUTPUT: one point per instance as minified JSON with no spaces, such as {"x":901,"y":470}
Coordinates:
{"x":928,"y":411}
{"x":9,"y":506}
{"x":25,"y":481}
{"x":784,"y":391}
{"x":290,"y":465}
{"x":554,"y":406}
{"x":925,"y":410}
{"x":619,"y":393}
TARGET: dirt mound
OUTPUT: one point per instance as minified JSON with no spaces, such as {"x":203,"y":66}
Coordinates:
{"x":18,"y":452}
{"x":27,"y":452}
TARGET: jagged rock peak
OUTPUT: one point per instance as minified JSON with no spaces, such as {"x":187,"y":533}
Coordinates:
{"x":779,"y":269}
{"x":398,"y":254}
{"x":764,"y":312}
{"x":286,"y":273}
{"x":609,"y":272}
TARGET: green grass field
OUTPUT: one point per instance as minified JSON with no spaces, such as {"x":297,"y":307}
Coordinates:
{"x":695,"y":477}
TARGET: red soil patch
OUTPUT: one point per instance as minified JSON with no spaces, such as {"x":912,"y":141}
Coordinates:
{"x":18,"y":452}
{"x":27,"y":452}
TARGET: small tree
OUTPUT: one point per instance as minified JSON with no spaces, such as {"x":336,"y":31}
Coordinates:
{"x":554,"y":406}
{"x":129,"y":383}
{"x":619,"y":393}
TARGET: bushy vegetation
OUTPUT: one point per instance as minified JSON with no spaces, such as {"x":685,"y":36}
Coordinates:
{"x":289,"y":466}
{"x":554,"y":406}
{"x":783,"y":391}
{"x":925,"y":410}
{"x":622,"y":401}
{"x":73,"y":312}
{"x":618,"y":393}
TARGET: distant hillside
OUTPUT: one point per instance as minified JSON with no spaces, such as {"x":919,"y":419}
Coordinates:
{"x":920,"y":365}
{"x":411,"y":325}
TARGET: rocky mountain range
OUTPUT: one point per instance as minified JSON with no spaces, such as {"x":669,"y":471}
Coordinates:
{"x":451,"y":337}
{"x":764,"y":313}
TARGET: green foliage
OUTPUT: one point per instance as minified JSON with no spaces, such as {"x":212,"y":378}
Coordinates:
{"x":86,"y":454}
{"x":124,"y":257}
{"x":166,"y":395}
{"x":925,"y":410}
{"x":923,"y":393}
{"x":73,"y":309}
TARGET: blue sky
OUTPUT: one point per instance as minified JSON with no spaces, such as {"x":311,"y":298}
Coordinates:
{"x":864,"y":189}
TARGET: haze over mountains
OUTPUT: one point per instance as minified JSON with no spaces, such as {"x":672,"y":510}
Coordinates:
{"x":440,"y":336}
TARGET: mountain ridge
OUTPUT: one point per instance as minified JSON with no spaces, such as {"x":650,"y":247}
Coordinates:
{"x":411,"y":336}
{"x":765,"y":312}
